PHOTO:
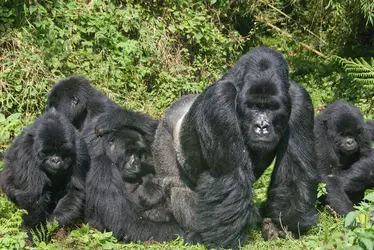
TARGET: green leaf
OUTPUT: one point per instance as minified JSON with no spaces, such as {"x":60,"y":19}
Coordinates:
{"x":370,"y":197}
{"x":367,"y":242}
{"x":350,"y":218}
{"x":109,"y":245}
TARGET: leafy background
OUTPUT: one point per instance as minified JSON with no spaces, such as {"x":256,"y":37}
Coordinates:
{"x":145,"y":54}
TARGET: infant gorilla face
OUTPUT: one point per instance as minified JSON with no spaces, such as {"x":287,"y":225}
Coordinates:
{"x":127,"y":149}
{"x":54,"y":149}
{"x":346,"y":132}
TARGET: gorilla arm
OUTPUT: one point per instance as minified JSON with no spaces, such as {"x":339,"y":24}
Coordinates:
{"x":217,"y":160}
{"x":293,"y":189}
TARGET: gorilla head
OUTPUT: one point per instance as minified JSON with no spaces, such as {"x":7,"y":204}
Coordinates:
{"x":78,"y":100}
{"x":263,"y":104}
{"x":345,"y":127}
{"x":71,"y":96}
{"x":56,"y":153}
{"x":128,"y":150}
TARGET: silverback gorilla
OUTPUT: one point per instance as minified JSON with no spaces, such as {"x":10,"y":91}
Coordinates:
{"x":345,"y":159}
{"x":45,"y":170}
{"x":210,"y":149}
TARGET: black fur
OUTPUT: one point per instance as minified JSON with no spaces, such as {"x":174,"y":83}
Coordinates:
{"x":344,"y":155}
{"x":209,"y":149}
{"x":78,"y":100}
{"x":121,"y":166}
{"x":45,"y":170}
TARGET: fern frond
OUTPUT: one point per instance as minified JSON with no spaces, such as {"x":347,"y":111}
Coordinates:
{"x":360,"y":70}
{"x":365,"y":75}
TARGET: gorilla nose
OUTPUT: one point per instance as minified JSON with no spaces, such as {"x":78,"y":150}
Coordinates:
{"x":55,"y":159}
{"x":349,"y":141}
{"x":262,"y":127}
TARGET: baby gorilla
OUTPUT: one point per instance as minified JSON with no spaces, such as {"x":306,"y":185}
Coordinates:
{"x":344,"y":155}
{"x":45,"y":169}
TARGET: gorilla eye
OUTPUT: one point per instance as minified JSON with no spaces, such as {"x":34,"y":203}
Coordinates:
{"x":75,"y":100}
{"x":253,"y":105}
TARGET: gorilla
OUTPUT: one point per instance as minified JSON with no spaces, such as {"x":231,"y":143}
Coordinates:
{"x":210,"y":148}
{"x":45,"y":169}
{"x":344,"y":156}
{"x":78,"y":100}
{"x":122,"y":163}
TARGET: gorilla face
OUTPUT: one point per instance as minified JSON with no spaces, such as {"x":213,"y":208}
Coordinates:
{"x":345,"y":129}
{"x":127,"y":149}
{"x":53,"y":146}
{"x":264,"y":110}
{"x":346,"y":134}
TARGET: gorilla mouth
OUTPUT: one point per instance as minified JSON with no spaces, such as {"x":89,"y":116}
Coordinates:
{"x":349,"y":151}
{"x":263,"y":144}
{"x":262,"y":140}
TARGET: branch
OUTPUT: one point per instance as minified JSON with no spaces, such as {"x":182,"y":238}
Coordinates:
{"x":290,"y":36}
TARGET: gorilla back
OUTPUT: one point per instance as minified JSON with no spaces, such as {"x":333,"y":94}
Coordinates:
{"x":209,"y":150}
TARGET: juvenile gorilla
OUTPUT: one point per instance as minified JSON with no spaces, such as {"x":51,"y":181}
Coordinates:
{"x":344,"y":155}
{"x":210,"y":149}
{"x":121,"y":160}
{"x":45,"y":169}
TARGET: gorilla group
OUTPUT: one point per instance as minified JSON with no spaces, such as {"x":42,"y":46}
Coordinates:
{"x":119,"y":143}
{"x":345,"y":158}
{"x":192,"y":173}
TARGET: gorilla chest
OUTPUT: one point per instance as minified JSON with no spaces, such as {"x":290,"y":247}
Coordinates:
{"x":261,"y":161}
{"x":345,"y":161}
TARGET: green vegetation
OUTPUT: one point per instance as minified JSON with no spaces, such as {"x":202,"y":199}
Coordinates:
{"x":144,"y":54}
